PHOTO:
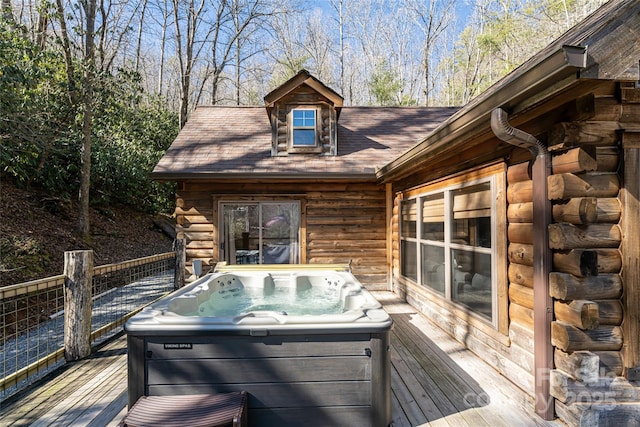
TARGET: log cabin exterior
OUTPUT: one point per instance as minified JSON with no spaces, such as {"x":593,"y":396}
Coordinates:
{"x":248,"y":192}
{"x":448,"y":210}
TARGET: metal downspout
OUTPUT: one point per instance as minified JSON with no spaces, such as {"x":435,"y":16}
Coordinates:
{"x":542,"y":214}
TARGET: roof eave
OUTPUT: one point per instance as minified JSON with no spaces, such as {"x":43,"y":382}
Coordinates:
{"x":562,"y":65}
{"x":263,"y":177}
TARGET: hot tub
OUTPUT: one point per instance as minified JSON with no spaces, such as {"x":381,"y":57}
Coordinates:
{"x":323,"y":363}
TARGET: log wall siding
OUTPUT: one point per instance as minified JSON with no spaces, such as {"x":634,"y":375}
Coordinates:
{"x":587,"y":228}
{"x":339,"y":222}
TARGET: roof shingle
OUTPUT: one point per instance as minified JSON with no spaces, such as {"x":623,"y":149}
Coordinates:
{"x":224,"y":142}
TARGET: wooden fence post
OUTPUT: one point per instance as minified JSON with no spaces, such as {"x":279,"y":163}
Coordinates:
{"x":180,"y":245}
{"x":78,"y":272}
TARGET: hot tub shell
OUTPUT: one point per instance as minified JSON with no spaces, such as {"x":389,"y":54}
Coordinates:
{"x":322,"y":370}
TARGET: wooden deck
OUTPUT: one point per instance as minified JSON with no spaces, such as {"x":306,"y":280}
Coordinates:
{"x":435,"y":382}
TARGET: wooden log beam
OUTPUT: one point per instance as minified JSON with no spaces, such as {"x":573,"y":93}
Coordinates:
{"x":521,"y":295}
{"x":629,"y":93}
{"x":583,"y":108}
{"x":521,"y":274}
{"x":608,"y":159}
{"x":520,"y":253}
{"x":568,"y":287}
{"x":520,"y":233}
{"x":199,"y":253}
{"x":587,"y":262}
{"x":573,"y":134}
{"x":610,"y":311}
{"x":610,"y":363}
{"x":568,"y":236}
{"x":521,"y":314}
{"x":608,"y":210}
{"x":568,"y":338}
{"x":520,"y":192}
{"x":568,"y":185}
{"x":579,"y":210}
{"x":179,"y":246}
{"x":521,"y":212}
{"x":518,"y":173}
{"x":579,"y":313}
{"x":609,"y":261}
{"x":579,"y":262}
{"x":521,"y":335}
{"x":631,"y":261}
{"x":582,"y":365}
{"x":575,"y":160}
{"x":568,"y":390}
{"x":604,"y":391}
{"x":78,"y":275}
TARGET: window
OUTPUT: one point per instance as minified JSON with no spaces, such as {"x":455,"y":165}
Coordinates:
{"x":260,"y":232}
{"x":447,"y":243}
{"x":304,"y":127}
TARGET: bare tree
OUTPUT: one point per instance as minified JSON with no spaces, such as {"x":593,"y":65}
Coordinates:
{"x":139,"y":40}
{"x":433,"y":18}
{"x":187,"y":18}
{"x":338,"y":6}
{"x":237,"y":25}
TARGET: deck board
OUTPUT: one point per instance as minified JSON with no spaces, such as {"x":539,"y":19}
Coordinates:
{"x":435,"y":382}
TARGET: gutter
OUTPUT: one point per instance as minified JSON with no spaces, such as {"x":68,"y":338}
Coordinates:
{"x":542,"y":261}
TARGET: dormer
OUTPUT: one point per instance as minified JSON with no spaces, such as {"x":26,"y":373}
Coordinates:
{"x":303,"y":113}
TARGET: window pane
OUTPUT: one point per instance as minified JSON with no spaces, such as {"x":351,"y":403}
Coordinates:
{"x":433,"y":217}
{"x":309,"y":117}
{"x":304,"y":137}
{"x":471,"y":281}
{"x":241,"y":233}
{"x":247,"y":240}
{"x":433,"y":267}
{"x":408,"y":219}
{"x":408,"y":256}
{"x":304,"y":118}
{"x":471,"y":224}
{"x":280,"y":233}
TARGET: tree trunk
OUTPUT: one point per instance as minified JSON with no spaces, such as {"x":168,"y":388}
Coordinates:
{"x":84,"y":227}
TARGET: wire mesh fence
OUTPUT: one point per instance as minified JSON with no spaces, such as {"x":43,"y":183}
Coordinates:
{"x":32,"y":315}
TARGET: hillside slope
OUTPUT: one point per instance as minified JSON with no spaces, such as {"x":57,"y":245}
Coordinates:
{"x":36,"y":229}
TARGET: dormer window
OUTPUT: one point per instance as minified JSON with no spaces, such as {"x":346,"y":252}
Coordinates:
{"x":304,"y":127}
{"x":303,"y":113}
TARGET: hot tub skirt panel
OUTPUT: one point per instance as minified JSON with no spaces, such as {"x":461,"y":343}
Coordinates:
{"x":310,"y":380}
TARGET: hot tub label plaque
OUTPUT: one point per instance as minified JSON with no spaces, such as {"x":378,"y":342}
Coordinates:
{"x":178,"y":346}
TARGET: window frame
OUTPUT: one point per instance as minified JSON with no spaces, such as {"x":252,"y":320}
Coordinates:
{"x":496,"y":176}
{"x":291,"y":145}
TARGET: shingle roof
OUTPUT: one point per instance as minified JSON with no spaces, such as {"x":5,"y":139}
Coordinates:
{"x":220,"y":142}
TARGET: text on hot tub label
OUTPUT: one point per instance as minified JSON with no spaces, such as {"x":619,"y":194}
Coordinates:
{"x":178,"y":346}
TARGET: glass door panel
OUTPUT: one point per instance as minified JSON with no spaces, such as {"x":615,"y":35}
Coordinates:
{"x":241,"y":233}
{"x":260,"y":233}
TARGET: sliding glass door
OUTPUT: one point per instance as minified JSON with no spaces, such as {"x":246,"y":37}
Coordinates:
{"x":260,"y":232}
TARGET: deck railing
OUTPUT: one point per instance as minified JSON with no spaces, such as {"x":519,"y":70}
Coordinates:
{"x":32,"y":314}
